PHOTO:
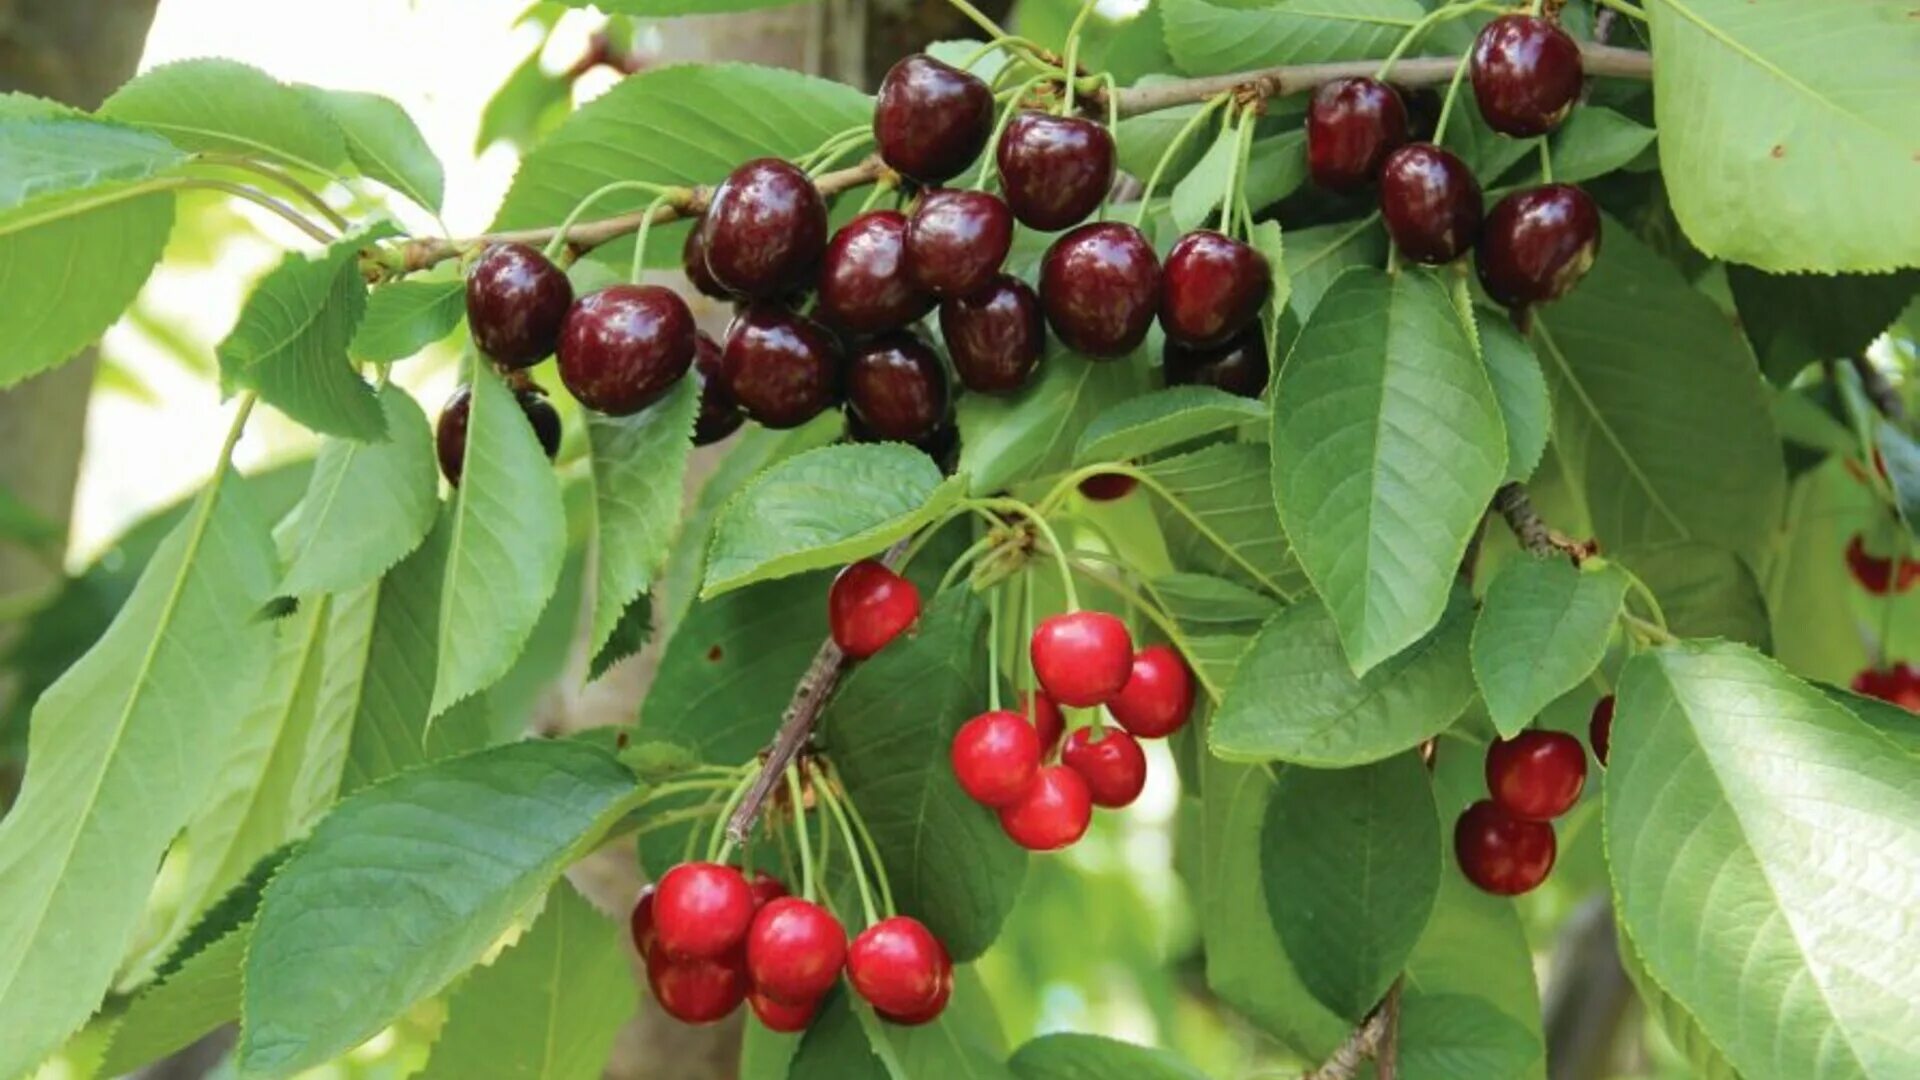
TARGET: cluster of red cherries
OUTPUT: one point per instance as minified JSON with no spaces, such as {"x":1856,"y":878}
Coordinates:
{"x":1881,"y":575}
{"x":1536,"y":244}
{"x":1505,"y":844}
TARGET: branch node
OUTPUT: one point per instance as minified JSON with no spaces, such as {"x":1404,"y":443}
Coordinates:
{"x":1533,"y":532}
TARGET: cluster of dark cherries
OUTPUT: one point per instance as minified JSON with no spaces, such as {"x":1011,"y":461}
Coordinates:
{"x":1505,"y":844}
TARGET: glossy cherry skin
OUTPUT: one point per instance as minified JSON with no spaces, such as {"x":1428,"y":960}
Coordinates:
{"x":693,"y":263}
{"x":1500,"y":853}
{"x":542,"y":417}
{"x":864,"y":287}
{"x":898,"y":966}
{"x":640,"y":920}
{"x":765,"y":888}
{"x":701,"y":911}
{"x":1114,"y":766}
{"x":1899,"y":685}
{"x":956,"y":241}
{"x":780,"y":1016}
{"x":783,"y":368}
{"x":1536,"y":775}
{"x":995,"y":757}
{"x":897,"y":386}
{"x":1052,"y":813}
{"x":1600,"y":728}
{"x":795,"y":950}
{"x":1100,"y":288}
{"x":1352,"y":125}
{"x":696,"y":991}
{"x":931,"y":119}
{"x":450,"y":433}
{"x":516,"y":300}
{"x":764,"y":230}
{"x":1055,"y":170}
{"x":1211,"y":288}
{"x":719,"y":414}
{"x":1158,"y":695}
{"x":1048,"y":722}
{"x":1238,"y":367}
{"x":1082,"y":658}
{"x":868,"y":606}
{"x":625,"y":346}
{"x":1526,"y":75}
{"x":1431,"y":203}
{"x":994,"y":335}
{"x":1108,"y":486}
{"x":928,"y":1013}
{"x":1537,"y":244}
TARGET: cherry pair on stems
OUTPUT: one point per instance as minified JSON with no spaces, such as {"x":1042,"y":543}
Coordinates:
{"x":1505,"y":844}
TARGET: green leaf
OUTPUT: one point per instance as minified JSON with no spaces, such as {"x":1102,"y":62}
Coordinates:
{"x":1705,"y":591}
{"x":950,"y":865}
{"x":1211,"y":39}
{"x":1789,"y":145}
{"x":1521,"y":389}
{"x":1152,"y":422}
{"x":1202,"y":600}
{"x":962,"y":1043}
{"x":47,"y":156}
{"x":1276,"y":168}
{"x":290,"y":343}
{"x":1387,"y":446}
{"x":385,"y":144}
{"x":1593,"y":142}
{"x":1007,"y":439}
{"x":171,"y":1014}
{"x":1680,"y":1026}
{"x":1198,"y":194}
{"x":1316,"y":257}
{"x":1796,"y":319}
{"x":367,"y":506}
{"x":548,"y":1008}
{"x":1542,"y":630}
{"x":1351,"y":859}
{"x":1462,"y":1036}
{"x":406,"y":884}
{"x":1637,"y":359}
{"x":667,"y":8}
{"x":1267,"y":240}
{"x":530,"y":102}
{"x":221,"y":106}
{"x":1757,"y":833}
{"x":629,"y":635}
{"x":639,"y":464}
{"x":1899,"y":726}
{"x":509,"y":538}
{"x":1294,"y":698}
{"x":120,"y":751}
{"x":1071,"y":1056}
{"x":1217,"y":516}
{"x":823,"y":508}
{"x":406,"y":316}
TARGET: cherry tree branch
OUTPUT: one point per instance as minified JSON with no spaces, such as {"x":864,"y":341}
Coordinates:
{"x":1365,"y":1044}
{"x":1532,"y":530}
{"x":1883,"y":394}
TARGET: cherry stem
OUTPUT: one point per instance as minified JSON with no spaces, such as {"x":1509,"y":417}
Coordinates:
{"x":853,"y":142}
{"x":1071,"y":70}
{"x":799,"y":797}
{"x":284,"y":179}
{"x":981,"y":19}
{"x":1624,"y":8}
{"x":1432,"y":18}
{"x":664,"y":821}
{"x":1546,"y":162}
{"x":851,"y":811}
{"x":974,"y":551}
{"x":1046,"y":531}
{"x":1640,"y":589}
{"x":1446,"y":107}
{"x":639,"y":267}
{"x":722,"y":841}
{"x":884,"y":185}
{"x":559,"y":238}
{"x":261,"y":199}
{"x":830,"y":803}
{"x":993,"y":649}
{"x":1180,"y":138}
{"x":838,"y":138}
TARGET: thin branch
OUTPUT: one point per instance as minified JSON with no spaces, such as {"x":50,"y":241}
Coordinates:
{"x":1532,"y":530}
{"x":1364,"y":1044}
{"x":1883,"y":394}
{"x":1386,"y":1058}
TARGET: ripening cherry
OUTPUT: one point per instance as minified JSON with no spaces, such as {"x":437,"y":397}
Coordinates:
{"x":765,"y":888}
{"x":1500,"y":853}
{"x":868,"y":606}
{"x":1431,"y":203}
{"x":1536,"y":775}
{"x":1048,"y":722}
{"x":927,"y":1013}
{"x":701,"y":911}
{"x":995,"y":757}
{"x":625,"y":346}
{"x":899,"y":966}
{"x":1055,"y":170}
{"x":897,"y":387}
{"x":931,"y":119}
{"x":516,"y":300}
{"x":994,"y":335}
{"x":1526,"y":75}
{"x":1238,"y":367}
{"x":1110,"y":761}
{"x":1157,"y":697}
{"x":1212,"y":288}
{"x":696,"y":991}
{"x":450,"y":432}
{"x":1052,"y":813}
{"x":864,"y":288}
{"x":1537,"y":244}
{"x":782,"y":367}
{"x":1108,"y":486}
{"x":693,"y":263}
{"x":780,"y":1016}
{"x":765,"y":229}
{"x":1082,"y":658}
{"x":1100,"y":289}
{"x":1876,"y":573}
{"x":956,"y":241}
{"x":1600,"y":728}
{"x":1352,"y":125}
{"x":795,"y":950}
{"x":1898,"y":685}
{"x":719,"y":414}
{"x":640,"y":921}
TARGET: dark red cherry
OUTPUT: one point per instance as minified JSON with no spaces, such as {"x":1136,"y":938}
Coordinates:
{"x":956,"y":241}
{"x":1082,"y":658}
{"x":1238,"y":367}
{"x":696,"y":991}
{"x":795,"y":950}
{"x":1600,"y":728}
{"x":1537,"y":244}
{"x":1108,"y":486}
{"x":1100,"y":288}
{"x":1112,"y":764}
{"x":450,"y":434}
{"x":1157,"y":696}
{"x":1052,"y":813}
{"x":765,"y":229}
{"x":542,"y":417}
{"x":995,"y":757}
{"x":898,"y":966}
{"x":720,"y":414}
{"x":1501,"y":853}
{"x":1211,"y":288}
{"x":701,"y":911}
{"x":640,"y":920}
{"x":1048,"y":722}
{"x":783,"y":368}
{"x":868,"y":606}
{"x":625,"y":346}
{"x":1536,"y":775}
{"x":931,"y":119}
{"x":863,"y":281}
{"x":1898,"y":685}
{"x":1352,"y":125}
{"x":779,"y":1016}
{"x":1526,"y":75}
{"x":693,"y":263}
{"x":1055,"y":169}
{"x":516,"y":300}
{"x":765,"y":888}
{"x":897,"y":387}
{"x":1431,"y":202}
{"x":995,"y":335}
{"x":1875,"y":573}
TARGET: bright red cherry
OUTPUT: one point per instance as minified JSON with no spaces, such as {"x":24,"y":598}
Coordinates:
{"x":625,"y":346}
{"x":994,"y":335}
{"x":765,"y":229}
{"x":1431,"y":203}
{"x":897,"y":386}
{"x":1108,"y":486}
{"x":701,"y":911}
{"x":1536,"y":775}
{"x":1352,"y":125}
{"x":795,"y":950}
{"x":1526,"y":75}
{"x":779,"y":1016}
{"x":1113,"y":765}
{"x":1047,"y":719}
{"x":1874,"y":572}
{"x":720,"y":414}
{"x":1600,"y":728}
{"x":864,"y":287}
{"x":696,"y":991}
{"x":931,"y":119}
{"x":995,"y":757}
{"x":693,"y":263}
{"x":516,"y":300}
{"x":1536,"y":245}
{"x":1082,"y":658}
{"x":1238,"y":367}
{"x":956,"y":241}
{"x":450,"y":434}
{"x":640,"y":920}
{"x":1100,"y":288}
{"x":783,"y":368}
{"x":1899,"y":685}
{"x":931,"y":1011}
{"x":765,"y":888}
{"x":1054,"y":169}
{"x":899,"y":966}
{"x":868,"y":606}
{"x":1501,"y":853}
{"x":1212,"y":288}
{"x":1158,"y":694}
{"x":1052,"y":814}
